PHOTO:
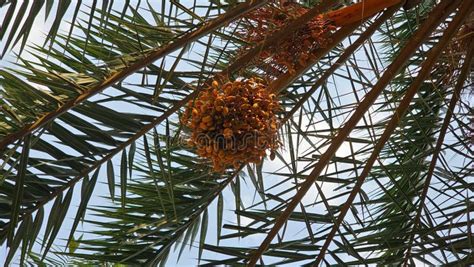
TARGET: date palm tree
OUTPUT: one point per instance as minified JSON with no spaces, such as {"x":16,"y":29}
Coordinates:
{"x":375,"y":158}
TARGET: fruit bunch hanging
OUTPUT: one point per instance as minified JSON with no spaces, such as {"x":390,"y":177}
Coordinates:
{"x":293,"y":51}
{"x":233,"y":123}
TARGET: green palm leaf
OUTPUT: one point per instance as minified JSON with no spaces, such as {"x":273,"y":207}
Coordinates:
{"x":375,"y":163}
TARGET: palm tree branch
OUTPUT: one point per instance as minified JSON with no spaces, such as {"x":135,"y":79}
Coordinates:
{"x":195,"y":215}
{"x":348,"y":51}
{"x":281,"y":34}
{"x":234,"y":66}
{"x":118,"y":149}
{"x":427,"y":65}
{"x":110,"y":155}
{"x":151,"y":57}
{"x":444,"y":128}
{"x":198,"y":213}
{"x":437,"y":16}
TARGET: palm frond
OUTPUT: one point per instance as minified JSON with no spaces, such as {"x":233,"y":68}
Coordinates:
{"x":90,"y":134}
{"x":375,"y":155}
{"x":20,"y":18}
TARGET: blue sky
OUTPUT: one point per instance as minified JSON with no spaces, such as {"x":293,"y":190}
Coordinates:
{"x":339,"y":86}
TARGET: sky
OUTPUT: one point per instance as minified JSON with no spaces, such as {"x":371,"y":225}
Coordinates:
{"x":37,"y":35}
